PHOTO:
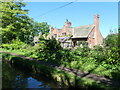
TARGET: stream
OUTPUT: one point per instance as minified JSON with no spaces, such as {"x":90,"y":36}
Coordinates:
{"x":15,"y":78}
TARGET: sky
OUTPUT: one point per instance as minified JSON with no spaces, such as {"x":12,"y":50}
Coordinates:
{"x":78,"y":13}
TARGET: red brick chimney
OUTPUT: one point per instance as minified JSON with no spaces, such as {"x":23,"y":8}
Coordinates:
{"x":96,"y":32}
{"x":96,"y":21}
{"x":67,"y":23}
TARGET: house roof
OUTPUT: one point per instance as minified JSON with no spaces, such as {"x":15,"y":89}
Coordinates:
{"x":82,"y":31}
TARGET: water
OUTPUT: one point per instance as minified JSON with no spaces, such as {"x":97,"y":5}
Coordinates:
{"x":15,"y":78}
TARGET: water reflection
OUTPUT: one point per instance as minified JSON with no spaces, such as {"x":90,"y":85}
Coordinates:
{"x":13,"y":78}
{"x":36,"y":84}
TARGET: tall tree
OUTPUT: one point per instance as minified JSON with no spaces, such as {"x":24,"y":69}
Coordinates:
{"x":111,"y":40}
{"x":15,"y":23}
{"x":42,"y":27}
{"x":119,"y":38}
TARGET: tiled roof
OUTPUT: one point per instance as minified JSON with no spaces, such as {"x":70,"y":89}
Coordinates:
{"x":82,"y":31}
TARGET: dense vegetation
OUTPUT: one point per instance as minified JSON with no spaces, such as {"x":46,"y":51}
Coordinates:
{"x":103,"y":61}
{"x":18,"y":31}
{"x":17,"y":25}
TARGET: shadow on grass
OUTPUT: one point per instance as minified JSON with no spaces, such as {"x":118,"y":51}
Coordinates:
{"x":106,"y":81}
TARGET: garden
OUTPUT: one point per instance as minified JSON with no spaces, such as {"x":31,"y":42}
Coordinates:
{"x":17,"y":37}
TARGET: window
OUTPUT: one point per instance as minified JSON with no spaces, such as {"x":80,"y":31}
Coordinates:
{"x":93,"y":35}
{"x":89,"y":36}
{"x":63,"y":34}
{"x":55,"y":35}
{"x":59,"y":30}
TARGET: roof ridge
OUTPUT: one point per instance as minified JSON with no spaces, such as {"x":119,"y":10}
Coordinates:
{"x":84,"y":26}
{"x":90,"y":30}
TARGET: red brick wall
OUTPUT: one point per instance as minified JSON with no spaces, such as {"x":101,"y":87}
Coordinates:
{"x":91,"y":39}
{"x":97,"y":35}
{"x":63,"y":30}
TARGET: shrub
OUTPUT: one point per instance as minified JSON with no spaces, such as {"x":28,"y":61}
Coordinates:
{"x":82,"y":51}
{"x":98,"y":48}
{"x":111,"y":40}
{"x":6,"y":46}
{"x":15,"y":44}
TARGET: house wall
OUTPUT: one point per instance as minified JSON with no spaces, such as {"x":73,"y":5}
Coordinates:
{"x":60,"y":32}
{"x":95,"y":37}
{"x":55,"y":31}
{"x":91,"y":39}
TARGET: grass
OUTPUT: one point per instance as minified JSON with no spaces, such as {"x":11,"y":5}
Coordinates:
{"x":21,"y":52}
{"x":93,"y":67}
{"x":14,"y":51}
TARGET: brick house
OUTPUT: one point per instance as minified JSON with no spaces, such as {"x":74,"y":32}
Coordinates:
{"x":70,"y":36}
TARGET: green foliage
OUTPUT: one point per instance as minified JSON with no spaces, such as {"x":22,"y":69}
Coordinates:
{"x":48,"y":49}
{"x":119,"y":38}
{"x":6,"y":46}
{"x":112,"y":56}
{"x":17,"y":25}
{"x":111,"y":40}
{"x":18,"y":31}
{"x":42,"y":27}
{"x":11,"y":15}
{"x":60,"y":77}
{"x":83,"y":43}
{"x":111,"y":49}
{"x":82,"y":51}
{"x":99,"y":60}
{"x":52,"y":45}
{"x":16,"y":44}
{"x":98,"y":48}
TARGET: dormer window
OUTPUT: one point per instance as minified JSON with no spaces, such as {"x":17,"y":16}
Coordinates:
{"x":55,"y":35}
{"x":63,"y":34}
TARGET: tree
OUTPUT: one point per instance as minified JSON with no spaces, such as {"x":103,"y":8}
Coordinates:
{"x":112,"y":50}
{"x":111,"y":40}
{"x":119,"y":38}
{"x":15,"y":23}
{"x":42,"y":27}
{"x":11,"y":13}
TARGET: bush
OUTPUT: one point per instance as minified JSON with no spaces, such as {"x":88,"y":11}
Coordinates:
{"x":6,"y":46}
{"x":15,"y":44}
{"x":82,"y":44}
{"x":52,"y":45}
{"x":111,"y":40}
{"x":98,"y":48}
{"x":82,"y":51}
